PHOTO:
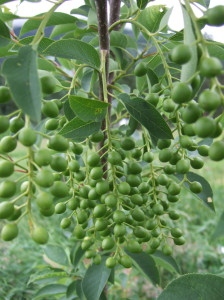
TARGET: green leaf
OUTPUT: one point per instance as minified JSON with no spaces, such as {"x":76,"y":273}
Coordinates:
{"x":82,"y":10}
{"x":206,"y":195}
{"x":88,"y":109}
{"x":57,"y":254}
{"x":151,"y":17}
{"x":46,"y":65}
{"x":68,"y":111}
{"x":50,"y":290}
{"x":190,"y":67}
{"x":79,"y":290}
{"x":165,"y":19}
{"x":77,"y":255}
{"x":167,"y":262}
{"x":78,"y":131}
{"x":195,"y":287}
{"x":55,"y":19}
{"x":153,"y":78}
{"x":146,"y":265}
{"x":46,"y":273}
{"x":118,"y":39}
{"x":4,"y":34}
{"x":44,"y":43}
{"x":219,"y":230}
{"x":22,"y":77}
{"x":92,"y":18}
{"x":95,"y":280}
{"x":204,"y":3}
{"x":148,"y":116}
{"x":61,"y":29}
{"x":142,"y":3}
{"x":5,"y":17}
{"x":75,"y":49}
{"x":216,"y":50}
{"x":71,"y":289}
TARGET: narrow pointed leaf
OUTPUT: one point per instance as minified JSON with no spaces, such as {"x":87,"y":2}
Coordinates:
{"x":146,"y":264}
{"x":194,"y":286}
{"x":55,"y":19}
{"x":219,"y":230}
{"x":75,"y":49}
{"x":57,"y":254}
{"x":190,"y":67}
{"x":206,"y":195}
{"x":88,"y":109}
{"x":50,"y":290}
{"x":78,"y":130}
{"x":22,"y":77}
{"x":95,"y":280}
{"x":167,"y":262}
{"x":147,"y":115}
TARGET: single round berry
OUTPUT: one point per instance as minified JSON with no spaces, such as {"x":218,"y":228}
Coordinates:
{"x":93,"y":159}
{"x":108,"y":243}
{"x":110,"y":262}
{"x":8,"y":144}
{"x":216,"y":151}
{"x":96,"y":173}
{"x":60,"y":208}
{"x":44,"y":200}
{"x":215,"y":15}
{"x":148,"y":157}
{"x":97,"y":137}
{"x":76,"y":148}
{"x":133,"y":246}
{"x":9,"y":232}
{"x":165,"y":155}
{"x":176,"y":232}
{"x":182,"y":92}
{"x":127,"y":143}
{"x":42,"y":157}
{"x":183,"y":166}
{"x":58,"y":163}
{"x":4,"y":123}
{"x":195,"y":187}
{"x":169,"y":105}
{"x":114,"y":158}
{"x":209,"y":100}
{"x":179,"y":241}
{"x":111,"y":201}
{"x":79,"y":232}
{"x":167,"y":250}
{"x":58,"y":143}
{"x":124,"y":188}
{"x":99,"y":211}
{"x":40,"y":235}
{"x":205,"y":127}
{"x":51,"y":124}
{"x":203,"y":150}
{"x":97,"y":259}
{"x":158,"y":209}
{"x":210,"y":66}
{"x":7,"y":189}
{"x":16,"y":124}
{"x":65,"y":223}
{"x":6,"y":209}
{"x":119,"y":230}
{"x":6,"y":168}
{"x":126,"y":261}
{"x":45,"y":178}
{"x":174,"y":189}
{"x":153,"y":99}
{"x":27,"y":136}
{"x":197,"y":162}
{"x":191,"y":113}
{"x":119,"y":216}
{"x":181,"y":54}
{"x":5,"y":95}
{"x":48,"y":84}
{"x":59,"y":189}
{"x":140,"y":70}
{"x":50,"y":109}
